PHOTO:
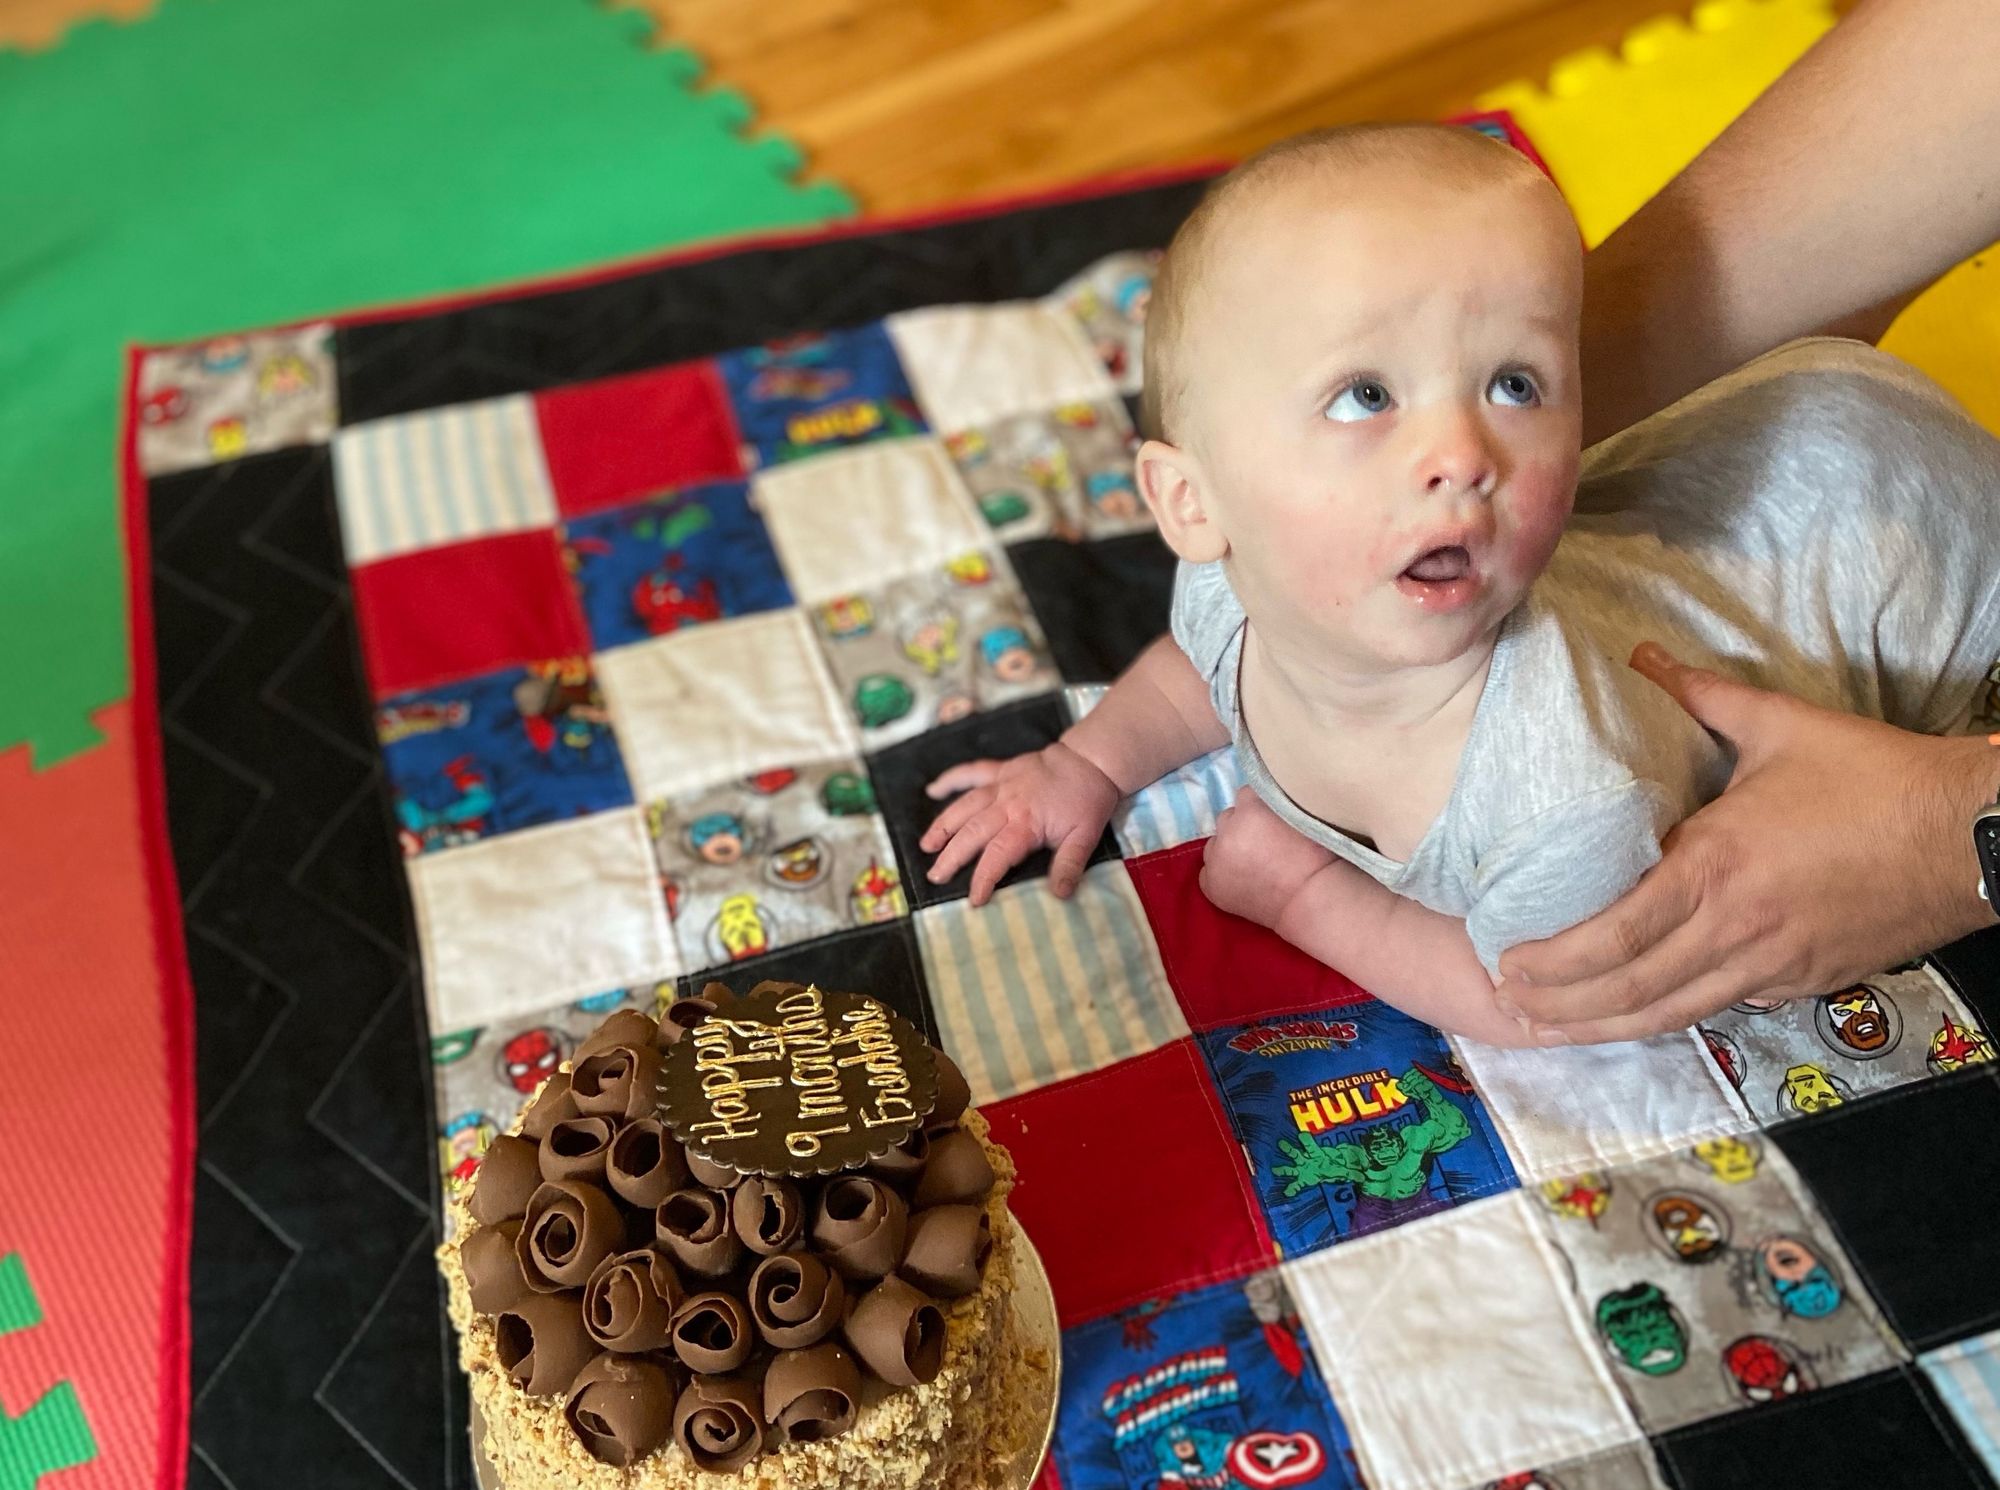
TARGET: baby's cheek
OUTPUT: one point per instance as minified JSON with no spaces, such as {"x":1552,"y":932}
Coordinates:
{"x":1537,"y":508}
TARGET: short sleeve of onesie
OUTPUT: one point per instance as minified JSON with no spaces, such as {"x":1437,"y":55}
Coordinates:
{"x":1564,"y":865}
{"x":1206,"y":620}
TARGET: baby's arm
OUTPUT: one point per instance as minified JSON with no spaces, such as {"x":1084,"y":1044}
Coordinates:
{"x":1155,"y":717}
{"x":1257,"y":866}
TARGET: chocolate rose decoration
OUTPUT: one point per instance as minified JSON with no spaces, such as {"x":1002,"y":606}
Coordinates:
{"x":902,"y":1164}
{"x":622,"y":1409}
{"x":620,"y":1027}
{"x":860,"y":1225}
{"x":644,"y":1163}
{"x":683,"y":1015}
{"x":716,"y":1422}
{"x":693,"y":1225}
{"x":947,"y":1248}
{"x":629,"y":1302}
{"x":899,"y":1332}
{"x":622,"y":1082}
{"x":711,"y":1332}
{"x":576,"y":1148}
{"x":492,"y":1271}
{"x":541,"y":1343}
{"x":768,"y":1214}
{"x":570,"y":1228}
{"x":508,"y":1174}
{"x":812,"y":1394}
{"x":796,"y":1300}
{"x":549,"y":1108}
{"x":957,"y":1172}
{"x":712,"y":1175}
{"x":953,"y":1096}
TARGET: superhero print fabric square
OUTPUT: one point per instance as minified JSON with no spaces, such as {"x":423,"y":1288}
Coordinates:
{"x":1354,"y":1118}
{"x":1216,"y":1388}
{"x":809,"y":394}
{"x":1065,"y":472}
{"x":236,"y":395}
{"x":498,"y":753}
{"x":421,"y":480}
{"x":1806,"y":1055}
{"x":848,"y":521}
{"x":933,"y":647}
{"x":1029,"y":990}
{"x":1712,"y":1282}
{"x":1110,"y":299}
{"x":526,"y":920}
{"x":713,"y":703}
{"x":775,"y":859}
{"x":485,"y":1074}
{"x":652,"y":568}
{"x":1455,"y":1352}
{"x":972,"y":364}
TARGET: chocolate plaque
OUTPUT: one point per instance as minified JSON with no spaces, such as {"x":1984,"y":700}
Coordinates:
{"x":790,"y":1080}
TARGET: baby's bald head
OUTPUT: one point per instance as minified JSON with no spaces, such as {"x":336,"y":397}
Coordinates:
{"x":1347,"y":165}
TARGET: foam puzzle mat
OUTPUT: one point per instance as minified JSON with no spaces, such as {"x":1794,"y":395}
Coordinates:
{"x":595,"y":668}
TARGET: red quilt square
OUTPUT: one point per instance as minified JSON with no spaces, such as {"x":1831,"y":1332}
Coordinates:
{"x":1225,"y":970}
{"x":613,"y":441}
{"x":1131,"y":1184}
{"x":442,"y":614}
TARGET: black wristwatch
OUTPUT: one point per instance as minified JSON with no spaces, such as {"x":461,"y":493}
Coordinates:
{"x":1986,"y":844}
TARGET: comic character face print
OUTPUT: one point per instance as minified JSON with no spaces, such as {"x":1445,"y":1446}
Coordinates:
{"x":932,"y":642}
{"x":1643,"y":1329}
{"x":164,"y":406}
{"x":1862,"y":1023}
{"x":1691,"y":1228}
{"x":283,"y":375}
{"x":850,"y":615}
{"x":877,"y":895}
{"x":1791,"y":1275}
{"x":228,"y":437}
{"x":740,"y":930}
{"x":969,"y":570}
{"x":1727,"y":1056}
{"x":1112,"y":495}
{"x":847,"y":794}
{"x":1731,"y":1160}
{"x":1006,"y":651}
{"x":531,"y":1057}
{"x":1581,"y":1197}
{"x":954,"y":706}
{"x":664,"y":602}
{"x":225,"y":354}
{"x":1760,"y":1369}
{"x":718,"y":837}
{"x":1956,"y":1046}
{"x":798,"y":864}
{"x":881,"y":698}
{"x":1809,"y":1088}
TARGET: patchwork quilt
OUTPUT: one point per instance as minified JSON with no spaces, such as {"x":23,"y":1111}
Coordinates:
{"x":666,"y":618}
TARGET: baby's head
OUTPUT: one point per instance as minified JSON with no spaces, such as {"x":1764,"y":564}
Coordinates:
{"x":1361,"y":388}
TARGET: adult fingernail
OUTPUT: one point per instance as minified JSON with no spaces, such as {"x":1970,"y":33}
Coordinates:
{"x":1550,"y":1037}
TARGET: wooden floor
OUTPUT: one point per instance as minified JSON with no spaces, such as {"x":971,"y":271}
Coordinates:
{"x":915,"y":102}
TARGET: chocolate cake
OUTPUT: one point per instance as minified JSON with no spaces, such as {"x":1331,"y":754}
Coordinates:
{"x":759,"y":1241}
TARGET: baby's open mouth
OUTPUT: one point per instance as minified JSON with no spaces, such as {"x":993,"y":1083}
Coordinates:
{"x":1440,"y":565}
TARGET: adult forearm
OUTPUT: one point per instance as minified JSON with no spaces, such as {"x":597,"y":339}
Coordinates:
{"x":1155,"y":717}
{"x":1859,"y":176}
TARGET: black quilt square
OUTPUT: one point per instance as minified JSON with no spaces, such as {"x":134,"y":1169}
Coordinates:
{"x":1100,"y":602}
{"x":881,"y":961}
{"x":903,"y":771}
{"x":1908,"y":1179}
{"x":1972,"y":965}
{"x":1883,"y":1430}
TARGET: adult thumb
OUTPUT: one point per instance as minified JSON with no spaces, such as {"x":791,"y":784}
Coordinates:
{"x":1720,"y":705}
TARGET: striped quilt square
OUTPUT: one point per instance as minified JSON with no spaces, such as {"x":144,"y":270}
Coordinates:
{"x":1030,"y":989}
{"x":1967,"y":1377}
{"x":426,"y":479}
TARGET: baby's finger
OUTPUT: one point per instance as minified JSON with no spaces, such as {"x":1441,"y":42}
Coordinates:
{"x":961,"y":776}
{"x":1008,"y":848}
{"x":954,"y":816}
{"x":966,"y":842}
{"x":1067,"y":867}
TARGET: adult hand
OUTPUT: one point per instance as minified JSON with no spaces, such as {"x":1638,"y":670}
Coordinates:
{"x":1842,"y":846}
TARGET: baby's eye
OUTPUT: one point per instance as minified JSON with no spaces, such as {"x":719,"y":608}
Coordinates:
{"x":1514,"y":389}
{"x":1364,"y":398}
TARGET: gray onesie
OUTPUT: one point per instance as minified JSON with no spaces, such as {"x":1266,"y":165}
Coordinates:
{"x":1824,"y":521}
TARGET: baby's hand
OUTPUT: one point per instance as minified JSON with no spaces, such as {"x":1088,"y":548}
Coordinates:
{"x":1256,"y":862}
{"x":1053,"y":797}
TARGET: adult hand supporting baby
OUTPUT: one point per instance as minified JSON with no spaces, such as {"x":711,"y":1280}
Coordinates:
{"x":1841,"y":846}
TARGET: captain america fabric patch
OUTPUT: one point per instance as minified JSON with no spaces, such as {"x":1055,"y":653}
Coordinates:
{"x":1216,"y":1388}
{"x":493,"y":754}
{"x":1353,"y":1119}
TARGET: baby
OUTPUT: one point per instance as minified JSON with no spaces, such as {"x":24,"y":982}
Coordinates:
{"x":1362,"y":388}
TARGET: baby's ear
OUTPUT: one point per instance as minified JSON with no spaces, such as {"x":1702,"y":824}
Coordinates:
{"x":1171,"y":480}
